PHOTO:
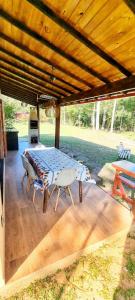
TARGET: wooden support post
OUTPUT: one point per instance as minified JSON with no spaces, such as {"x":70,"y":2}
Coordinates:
{"x":38,"y":117}
{"x":57,"y":127}
{"x":3,"y":142}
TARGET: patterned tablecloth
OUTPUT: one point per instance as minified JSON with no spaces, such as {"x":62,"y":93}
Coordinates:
{"x":48,"y":163}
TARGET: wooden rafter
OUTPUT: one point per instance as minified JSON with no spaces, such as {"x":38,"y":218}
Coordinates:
{"x":50,"y":45}
{"x":75,"y":33}
{"x":26,"y":71}
{"x":131,"y":4}
{"x":9,"y":81}
{"x":29,"y":64}
{"x":18,"y":94}
{"x":11,"y":86}
{"x":36,"y":68}
{"x":27,"y":81}
{"x":46,"y":61}
{"x":30,"y":80}
{"x":111,"y":88}
{"x":20,"y":81}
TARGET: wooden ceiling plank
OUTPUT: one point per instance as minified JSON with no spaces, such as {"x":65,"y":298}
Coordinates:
{"x":5,"y":87}
{"x":29,"y":64}
{"x":18,"y":84}
{"x":28,"y":79}
{"x":25,"y":97}
{"x":29,"y":73}
{"x":19,"y":81}
{"x":36,"y":68}
{"x":46,"y":61}
{"x":48,"y":90}
{"x":75,"y":33}
{"x":22,"y":82}
{"x":45,"y":42}
{"x":19,"y":98}
{"x":130,"y":4}
{"x":117,"y":86}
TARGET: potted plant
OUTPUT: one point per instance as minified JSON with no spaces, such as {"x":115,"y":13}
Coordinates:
{"x":11,"y":132}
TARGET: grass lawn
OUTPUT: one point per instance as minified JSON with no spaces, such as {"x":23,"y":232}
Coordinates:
{"x":106,"y":274}
{"x":94,"y":148}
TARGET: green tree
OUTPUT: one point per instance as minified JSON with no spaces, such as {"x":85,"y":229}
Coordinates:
{"x":9,"y":110}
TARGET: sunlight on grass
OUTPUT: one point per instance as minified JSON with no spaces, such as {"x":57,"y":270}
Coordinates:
{"x":100,"y":137}
{"x":93,"y":148}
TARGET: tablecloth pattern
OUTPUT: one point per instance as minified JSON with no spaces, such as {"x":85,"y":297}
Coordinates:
{"x":49,"y":162}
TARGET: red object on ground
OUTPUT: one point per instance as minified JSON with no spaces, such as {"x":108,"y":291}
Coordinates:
{"x":126,"y":168}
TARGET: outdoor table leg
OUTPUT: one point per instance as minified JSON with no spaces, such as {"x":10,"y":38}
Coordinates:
{"x":45,"y":200}
{"x":80,"y":191}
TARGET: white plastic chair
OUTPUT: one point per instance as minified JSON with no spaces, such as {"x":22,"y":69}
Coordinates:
{"x":25,"y":166}
{"x":32,"y":178}
{"x":65,"y":178}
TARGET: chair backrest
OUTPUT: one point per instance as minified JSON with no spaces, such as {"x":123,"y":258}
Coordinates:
{"x":66,"y":177}
{"x":31,"y":171}
{"x":24,"y":161}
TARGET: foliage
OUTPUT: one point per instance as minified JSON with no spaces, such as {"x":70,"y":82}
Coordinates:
{"x":9,"y":110}
{"x":131,"y":266}
{"x":84,"y":115}
{"x":81,"y":115}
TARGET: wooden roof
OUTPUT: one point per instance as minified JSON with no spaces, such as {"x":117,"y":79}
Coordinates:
{"x":88,"y":46}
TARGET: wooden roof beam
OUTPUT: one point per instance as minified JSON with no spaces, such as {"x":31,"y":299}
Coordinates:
{"x":46,"y":61}
{"x":19,"y":81}
{"x":11,"y":85}
{"x":44,"y":89}
{"x":29,"y":64}
{"x":30,"y":73}
{"x":120,"y":96}
{"x":50,"y":45}
{"x":17,"y":97}
{"x":24,"y":96}
{"x":131,"y":5}
{"x":47,"y":90}
{"x":111,"y":88}
{"x":8,"y":80}
{"x":75,"y":33}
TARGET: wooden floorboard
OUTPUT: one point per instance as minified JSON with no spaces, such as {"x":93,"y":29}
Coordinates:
{"x":35,"y":240}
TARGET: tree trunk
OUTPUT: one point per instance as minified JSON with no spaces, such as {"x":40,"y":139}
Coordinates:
{"x":104,"y":118}
{"x":113,"y":115}
{"x":121,"y":119}
{"x":93,"y":117}
{"x":97,"y":114}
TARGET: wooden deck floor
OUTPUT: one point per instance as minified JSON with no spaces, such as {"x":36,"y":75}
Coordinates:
{"x":35,"y":240}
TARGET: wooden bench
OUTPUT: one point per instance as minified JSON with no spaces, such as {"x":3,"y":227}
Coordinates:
{"x":127,"y":182}
{"x":118,"y":188}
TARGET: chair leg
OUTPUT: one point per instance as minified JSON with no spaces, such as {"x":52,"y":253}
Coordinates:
{"x":34,"y":193}
{"x":25,"y":174}
{"x":57,"y":199}
{"x":70,"y":194}
{"x":52,"y":191}
{"x":28,"y":184}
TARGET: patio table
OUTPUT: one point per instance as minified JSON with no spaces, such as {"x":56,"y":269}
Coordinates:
{"x":48,"y":163}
